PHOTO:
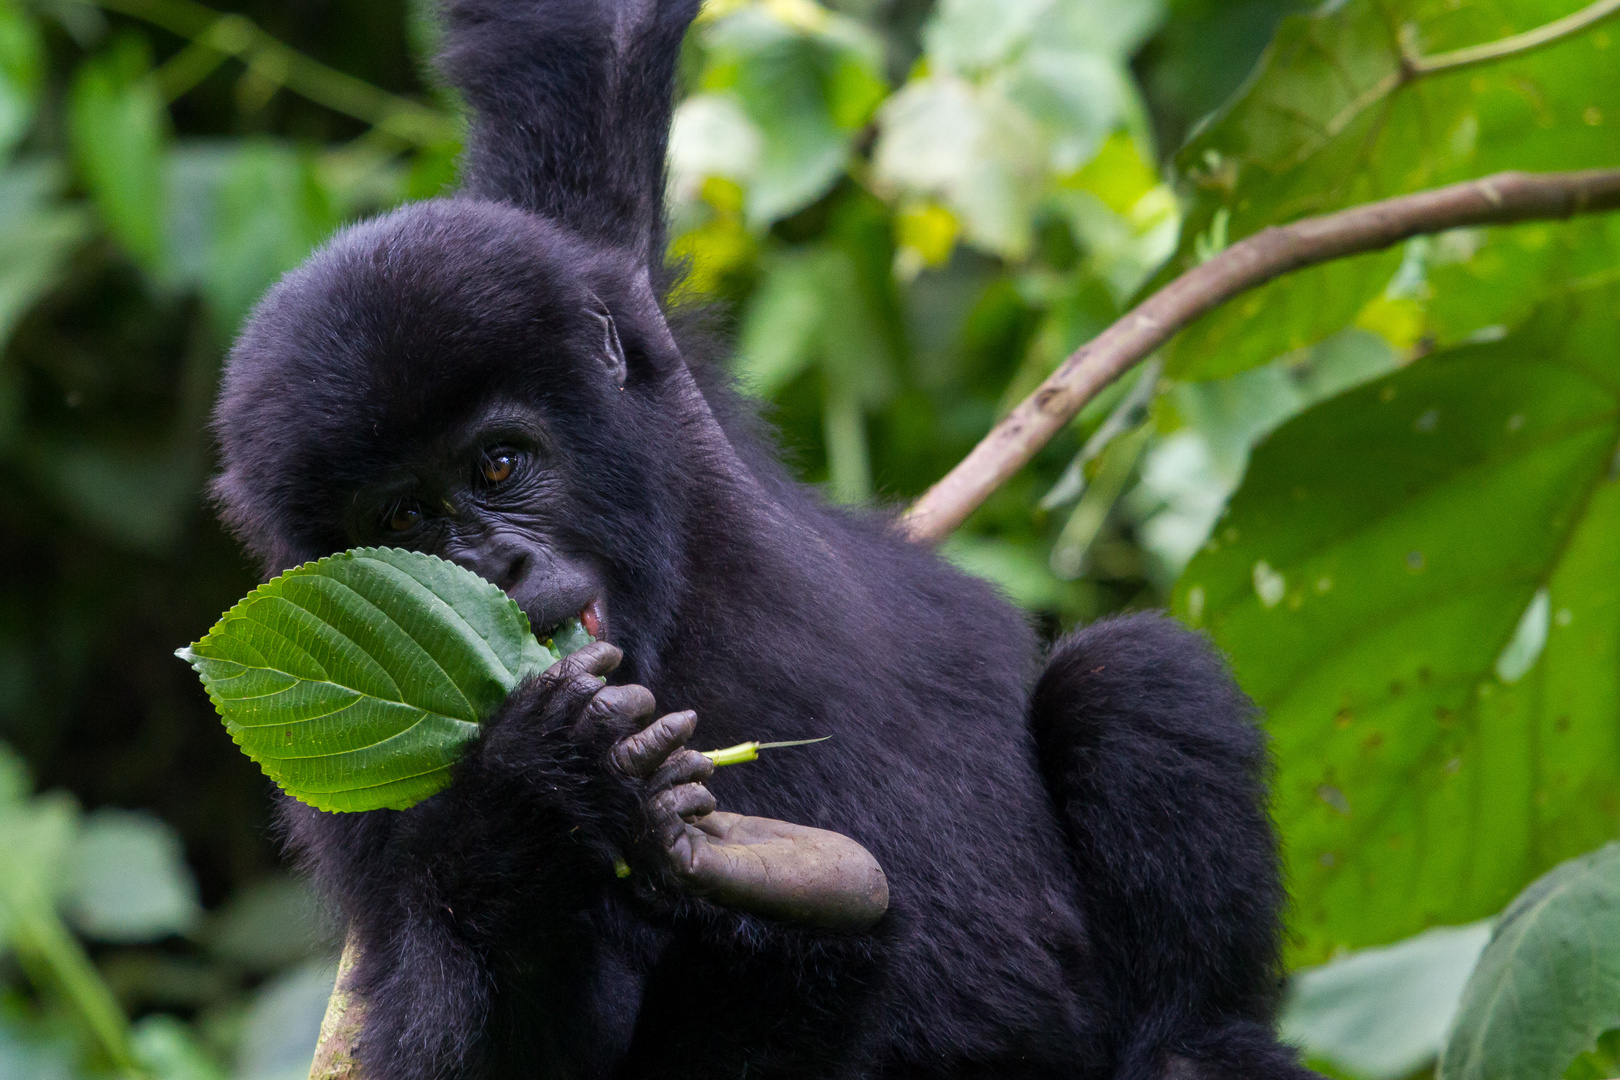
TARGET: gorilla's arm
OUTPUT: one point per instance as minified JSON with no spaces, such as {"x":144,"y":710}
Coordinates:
{"x":523,"y":841}
{"x":437,"y":892}
{"x":571,"y":105}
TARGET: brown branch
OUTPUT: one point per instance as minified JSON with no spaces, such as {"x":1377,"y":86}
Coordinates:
{"x":1501,"y":199}
{"x":340,"y":1029}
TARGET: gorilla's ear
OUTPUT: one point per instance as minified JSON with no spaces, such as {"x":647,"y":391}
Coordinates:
{"x":612,"y":354}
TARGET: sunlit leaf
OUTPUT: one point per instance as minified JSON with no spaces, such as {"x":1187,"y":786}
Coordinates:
{"x":711,"y":136}
{"x":974,"y":36}
{"x":1548,"y":984}
{"x":357,"y":681}
{"x":1372,"y":571}
{"x":971,"y":149}
{"x":806,"y":89}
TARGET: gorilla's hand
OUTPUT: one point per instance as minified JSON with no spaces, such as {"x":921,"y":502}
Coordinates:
{"x":550,"y":744}
{"x":775,"y":868}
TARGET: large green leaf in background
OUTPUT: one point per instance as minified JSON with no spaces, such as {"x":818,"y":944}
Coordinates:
{"x":1420,"y":583}
{"x":1329,"y":120}
{"x":1548,"y":984}
{"x":356,"y":681}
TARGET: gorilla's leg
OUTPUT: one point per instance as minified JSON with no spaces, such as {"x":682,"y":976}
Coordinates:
{"x":1152,"y":755}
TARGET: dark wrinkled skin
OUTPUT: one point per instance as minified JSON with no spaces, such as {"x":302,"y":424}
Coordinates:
{"x":775,"y":868}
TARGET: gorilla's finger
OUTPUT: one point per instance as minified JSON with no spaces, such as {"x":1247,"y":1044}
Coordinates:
{"x":671,"y":809}
{"x":618,"y":708}
{"x":597,"y":658}
{"x":639,"y":755}
{"x":682,"y":767}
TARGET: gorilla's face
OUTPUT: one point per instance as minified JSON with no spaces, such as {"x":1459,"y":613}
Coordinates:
{"x":489,"y":495}
{"x":450,"y":378}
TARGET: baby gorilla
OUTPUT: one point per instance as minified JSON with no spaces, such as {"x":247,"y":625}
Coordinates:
{"x":1081,"y":876}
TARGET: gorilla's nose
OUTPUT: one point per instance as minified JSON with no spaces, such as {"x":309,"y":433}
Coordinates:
{"x":499,"y":564}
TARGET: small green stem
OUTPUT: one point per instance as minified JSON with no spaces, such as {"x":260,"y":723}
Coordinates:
{"x":749,"y":751}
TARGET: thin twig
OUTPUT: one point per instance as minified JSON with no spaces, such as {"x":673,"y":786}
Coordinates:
{"x":1501,"y":199}
{"x":283,"y":66}
{"x":1518,"y":44}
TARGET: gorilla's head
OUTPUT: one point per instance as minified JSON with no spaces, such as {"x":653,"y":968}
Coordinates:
{"x":464,"y":378}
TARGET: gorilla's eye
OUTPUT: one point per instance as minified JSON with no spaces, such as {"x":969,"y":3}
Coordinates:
{"x":497,"y":466}
{"x":403,"y":517}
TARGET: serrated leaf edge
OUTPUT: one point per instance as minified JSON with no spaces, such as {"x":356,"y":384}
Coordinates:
{"x":314,"y":799}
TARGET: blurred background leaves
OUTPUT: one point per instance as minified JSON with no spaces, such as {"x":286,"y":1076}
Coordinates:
{"x":1384,"y":486}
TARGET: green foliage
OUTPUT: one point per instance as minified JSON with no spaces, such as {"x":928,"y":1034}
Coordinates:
{"x":1332,"y":118}
{"x":1420,"y":682}
{"x":1384,"y":1013}
{"x":119,"y":128}
{"x":21,"y":71}
{"x":357,"y":681}
{"x":1548,"y":984}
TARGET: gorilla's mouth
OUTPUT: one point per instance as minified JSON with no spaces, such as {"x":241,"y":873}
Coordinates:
{"x":593,"y":617}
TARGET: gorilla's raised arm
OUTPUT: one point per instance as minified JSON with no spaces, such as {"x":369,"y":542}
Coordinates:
{"x":571,"y":105}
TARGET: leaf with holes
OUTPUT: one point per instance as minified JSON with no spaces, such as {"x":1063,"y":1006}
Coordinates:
{"x":1419,"y":581}
{"x":357,"y":681}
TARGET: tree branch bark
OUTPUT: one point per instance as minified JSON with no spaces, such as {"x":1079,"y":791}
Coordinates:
{"x":1502,"y":199}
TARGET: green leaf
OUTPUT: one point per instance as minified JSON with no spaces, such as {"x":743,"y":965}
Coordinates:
{"x":1331,"y":118}
{"x":808,"y":88}
{"x":1208,"y":428}
{"x":167,"y":1050}
{"x":1372,"y":572}
{"x":119,"y":124}
{"x":970,"y":147}
{"x":22,"y":68}
{"x":356,"y":681}
{"x":127,"y":879}
{"x":240,"y":215}
{"x":1384,"y":1013}
{"x":1548,"y":984}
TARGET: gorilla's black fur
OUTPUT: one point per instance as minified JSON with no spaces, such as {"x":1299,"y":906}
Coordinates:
{"x":1083,"y":881}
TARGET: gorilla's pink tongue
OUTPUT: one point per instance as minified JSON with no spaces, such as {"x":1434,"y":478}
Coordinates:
{"x":593,"y":616}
